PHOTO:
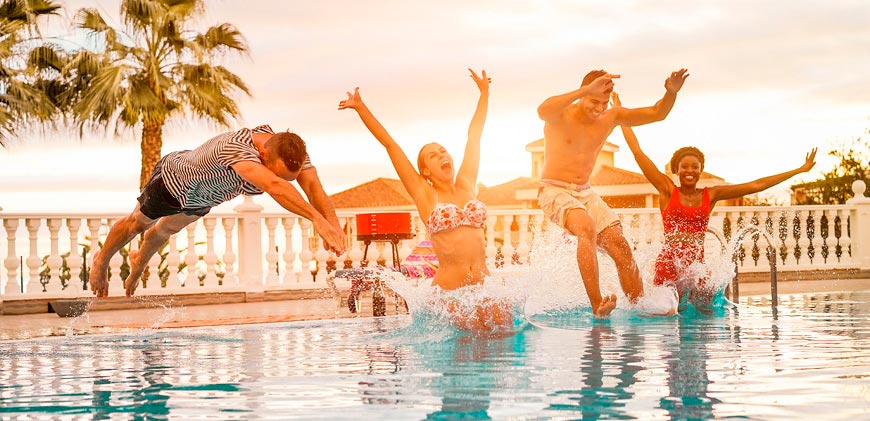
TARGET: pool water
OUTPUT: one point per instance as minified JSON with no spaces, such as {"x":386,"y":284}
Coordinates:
{"x":808,"y":360}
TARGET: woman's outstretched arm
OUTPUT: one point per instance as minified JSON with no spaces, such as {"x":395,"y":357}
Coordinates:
{"x":413,"y":181}
{"x":740,"y":190}
{"x":659,"y":180}
{"x":466,"y":177}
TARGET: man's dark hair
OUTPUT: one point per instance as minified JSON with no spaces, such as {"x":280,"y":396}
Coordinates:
{"x":289,"y":148}
{"x":680,"y":153}
{"x":595,"y":74}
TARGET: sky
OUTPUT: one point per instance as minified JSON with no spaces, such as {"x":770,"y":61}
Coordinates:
{"x":769,"y":80}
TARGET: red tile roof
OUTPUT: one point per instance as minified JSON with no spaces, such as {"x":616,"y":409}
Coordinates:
{"x":505,"y":194}
{"x":380,"y":192}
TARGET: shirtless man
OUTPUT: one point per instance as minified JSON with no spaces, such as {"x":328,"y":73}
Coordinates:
{"x":576,"y":124}
{"x":185,"y":185}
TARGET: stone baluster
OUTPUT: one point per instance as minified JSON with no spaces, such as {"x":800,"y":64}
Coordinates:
{"x":523,"y":247}
{"x":33,"y":260}
{"x":746,"y":217}
{"x":54,"y":261}
{"x":305,"y":255}
{"x":271,"y":253}
{"x":94,"y":226}
{"x":11,"y":263}
{"x":491,"y":249}
{"x":211,"y":257}
{"x":845,"y":240}
{"x":116,"y":287}
{"x":289,"y":254}
{"x":790,"y":240}
{"x":373,"y":255}
{"x":153,"y":285}
{"x":356,"y":253}
{"x":321,"y":256}
{"x":813,"y":241}
{"x":191,"y":259}
{"x":74,"y":260}
{"x":173,"y":260}
{"x":803,"y":239}
{"x":230,"y":279}
{"x":653,"y":231}
{"x":763,"y":243}
{"x":507,"y":248}
{"x":824,"y":253}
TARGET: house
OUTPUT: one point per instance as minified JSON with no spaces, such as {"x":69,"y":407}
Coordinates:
{"x":618,"y":187}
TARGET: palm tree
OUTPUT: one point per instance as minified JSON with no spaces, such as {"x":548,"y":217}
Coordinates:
{"x":24,"y":89}
{"x":156,"y":69}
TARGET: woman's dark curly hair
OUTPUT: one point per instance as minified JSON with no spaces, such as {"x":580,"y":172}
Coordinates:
{"x":680,"y":153}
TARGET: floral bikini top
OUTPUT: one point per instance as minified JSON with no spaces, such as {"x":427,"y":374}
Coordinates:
{"x":447,"y":216}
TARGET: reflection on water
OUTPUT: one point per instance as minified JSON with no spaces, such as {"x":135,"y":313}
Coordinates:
{"x":810,"y":361}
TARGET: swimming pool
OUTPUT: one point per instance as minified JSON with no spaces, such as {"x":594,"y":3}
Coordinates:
{"x":811,"y":360}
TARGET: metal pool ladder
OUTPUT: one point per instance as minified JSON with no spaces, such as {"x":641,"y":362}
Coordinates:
{"x":735,"y":243}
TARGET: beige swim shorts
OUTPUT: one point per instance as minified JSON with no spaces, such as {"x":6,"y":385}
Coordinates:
{"x":556,"y":201}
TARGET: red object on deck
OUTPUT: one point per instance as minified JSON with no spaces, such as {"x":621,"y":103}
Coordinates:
{"x":383,"y":226}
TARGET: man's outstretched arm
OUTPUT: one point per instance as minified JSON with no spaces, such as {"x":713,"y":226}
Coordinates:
{"x":629,"y":117}
{"x":289,"y":198}
{"x":551,"y":109}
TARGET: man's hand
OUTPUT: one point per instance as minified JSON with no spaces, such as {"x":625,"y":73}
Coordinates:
{"x":614,"y":100}
{"x":333,"y":238}
{"x":352,"y":101}
{"x":602,"y":84}
{"x":675,"y":81}
{"x":810,"y":162}
{"x":482,"y":81}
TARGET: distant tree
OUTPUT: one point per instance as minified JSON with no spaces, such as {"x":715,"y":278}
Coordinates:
{"x":155,"y":69}
{"x":835,"y":186}
{"x":22,"y":94}
{"x":759,"y":199}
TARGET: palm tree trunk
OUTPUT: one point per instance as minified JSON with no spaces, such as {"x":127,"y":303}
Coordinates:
{"x":152,"y":143}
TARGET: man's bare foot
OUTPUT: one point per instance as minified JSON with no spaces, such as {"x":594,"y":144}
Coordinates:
{"x":98,"y":278}
{"x":607,"y":304}
{"x":137,"y":266}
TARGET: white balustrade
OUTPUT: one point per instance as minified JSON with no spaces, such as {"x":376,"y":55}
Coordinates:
{"x":248,"y":260}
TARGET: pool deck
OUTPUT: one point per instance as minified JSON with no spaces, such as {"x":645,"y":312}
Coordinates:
{"x":161,"y":315}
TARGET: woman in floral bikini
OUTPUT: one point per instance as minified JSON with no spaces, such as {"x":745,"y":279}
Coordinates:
{"x":445,"y":199}
{"x":686,"y":211}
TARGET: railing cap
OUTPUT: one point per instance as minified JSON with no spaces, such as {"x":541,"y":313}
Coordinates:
{"x":858,"y":189}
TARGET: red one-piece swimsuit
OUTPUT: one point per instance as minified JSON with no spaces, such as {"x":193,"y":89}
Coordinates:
{"x":679,"y":220}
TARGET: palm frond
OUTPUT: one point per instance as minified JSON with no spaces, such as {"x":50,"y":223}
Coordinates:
{"x":46,"y":57}
{"x":103,"y":95}
{"x":91,"y":19}
{"x":222,"y":37}
{"x":209,"y":91}
{"x":139,"y":14}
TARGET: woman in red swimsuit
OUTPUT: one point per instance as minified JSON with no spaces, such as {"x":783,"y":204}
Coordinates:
{"x":686,"y":210}
{"x":445,"y":199}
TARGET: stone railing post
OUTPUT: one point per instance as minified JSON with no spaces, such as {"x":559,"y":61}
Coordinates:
{"x":860,"y":226}
{"x":250,"y":249}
